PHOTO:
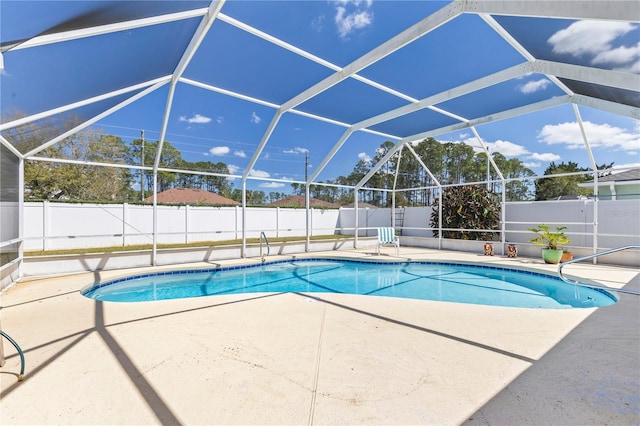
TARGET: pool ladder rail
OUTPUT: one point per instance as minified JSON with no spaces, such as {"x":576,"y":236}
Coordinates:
{"x":593,"y":256}
{"x":13,"y":342}
{"x":262,"y":256}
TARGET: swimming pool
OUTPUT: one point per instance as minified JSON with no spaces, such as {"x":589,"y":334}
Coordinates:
{"x":462,"y":283}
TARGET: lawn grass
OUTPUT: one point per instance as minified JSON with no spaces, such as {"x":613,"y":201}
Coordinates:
{"x":203,"y":244}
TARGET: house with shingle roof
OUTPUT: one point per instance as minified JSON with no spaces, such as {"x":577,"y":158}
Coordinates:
{"x":192,"y":197}
{"x":618,"y":186}
{"x":298,"y":201}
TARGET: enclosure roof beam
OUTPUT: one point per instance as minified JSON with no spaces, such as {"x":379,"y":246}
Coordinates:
{"x":198,"y":37}
{"x":618,"y":79}
{"x":88,"y":101}
{"x":424,"y":166}
{"x":616,"y":10}
{"x":587,"y":145}
{"x":514,"y":112}
{"x":95,"y":119}
{"x":202,"y":30}
{"x":379,"y":164}
{"x":10,"y":147}
{"x":506,"y":35}
{"x":612,"y":107}
{"x":395,"y":177}
{"x":409,"y":35}
{"x":58,"y":37}
{"x":414,"y":32}
{"x":331,"y":154}
{"x":262,"y":144}
{"x":490,"y":80}
{"x":308,"y":55}
{"x":485,"y":148}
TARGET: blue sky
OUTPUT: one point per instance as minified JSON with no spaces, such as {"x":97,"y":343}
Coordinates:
{"x":209,"y":126}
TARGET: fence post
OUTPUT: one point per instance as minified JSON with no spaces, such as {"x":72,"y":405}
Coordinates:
{"x":46,"y":218}
{"x":277,"y":222}
{"x":236,"y":224}
{"x":125,"y":220}
{"x":187,"y":209}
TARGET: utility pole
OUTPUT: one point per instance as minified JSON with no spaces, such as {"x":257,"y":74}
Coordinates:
{"x":306,"y":167}
{"x":142,"y":170}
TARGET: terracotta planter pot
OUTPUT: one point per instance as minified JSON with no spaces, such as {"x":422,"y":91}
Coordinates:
{"x":551,"y":256}
{"x":566,"y":256}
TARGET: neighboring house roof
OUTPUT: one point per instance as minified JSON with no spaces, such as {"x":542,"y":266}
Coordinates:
{"x":628,"y":177}
{"x":298,"y":201}
{"x":191,"y":196}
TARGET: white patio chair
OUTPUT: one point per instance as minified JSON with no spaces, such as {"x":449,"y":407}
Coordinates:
{"x":387,"y":237}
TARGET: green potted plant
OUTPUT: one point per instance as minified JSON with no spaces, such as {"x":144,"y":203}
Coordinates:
{"x":550,"y":240}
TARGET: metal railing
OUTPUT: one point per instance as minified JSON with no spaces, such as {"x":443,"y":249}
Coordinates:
{"x":263,"y":235}
{"x":13,"y":342}
{"x":592,"y":256}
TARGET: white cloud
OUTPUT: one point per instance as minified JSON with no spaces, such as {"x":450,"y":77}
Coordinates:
{"x":619,"y":55}
{"x":240,"y":154}
{"x":534,"y":86}
{"x":219,"y":150}
{"x":621,"y":58}
{"x":506,"y":148}
{"x":271,"y":185}
{"x":598,"y":135}
{"x":546,"y":156}
{"x":259,"y":173}
{"x":511,"y":150}
{"x":197,"y":119}
{"x":255,"y":119}
{"x":296,"y":150}
{"x":352,"y":15}
{"x":233,"y":169}
{"x":364,"y":157}
{"x":318,"y":23}
{"x":220,"y":119}
{"x":600,"y":47}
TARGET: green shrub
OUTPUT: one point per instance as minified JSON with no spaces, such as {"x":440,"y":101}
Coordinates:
{"x":467,"y":207}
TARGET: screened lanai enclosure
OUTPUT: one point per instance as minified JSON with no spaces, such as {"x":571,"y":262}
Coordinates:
{"x":386,"y":102}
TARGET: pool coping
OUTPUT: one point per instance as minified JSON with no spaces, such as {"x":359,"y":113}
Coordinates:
{"x":290,"y":358}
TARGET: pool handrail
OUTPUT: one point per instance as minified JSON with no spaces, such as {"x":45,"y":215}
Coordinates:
{"x":15,"y":345}
{"x":592,"y":256}
{"x":263,"y":235}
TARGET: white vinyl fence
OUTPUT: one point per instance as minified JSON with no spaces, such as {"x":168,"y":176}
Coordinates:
{"x":51,"y":226}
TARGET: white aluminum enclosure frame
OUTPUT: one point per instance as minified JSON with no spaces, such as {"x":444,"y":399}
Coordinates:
{"x":621,"y":11}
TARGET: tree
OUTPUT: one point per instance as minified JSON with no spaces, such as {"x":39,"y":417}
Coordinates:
{"x":170,"y":158}
{"x":550,"y":188}
{"x":82,"y":182}
{"x":515,"y":190}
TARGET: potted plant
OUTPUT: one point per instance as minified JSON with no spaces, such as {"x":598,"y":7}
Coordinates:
{"x":566,"y":255}
{"x":550,"y":240}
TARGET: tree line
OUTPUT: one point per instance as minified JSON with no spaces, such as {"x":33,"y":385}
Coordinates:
{"x":448,"y":163}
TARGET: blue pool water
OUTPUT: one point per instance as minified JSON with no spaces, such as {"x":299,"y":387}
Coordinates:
{"x":476,"y":284}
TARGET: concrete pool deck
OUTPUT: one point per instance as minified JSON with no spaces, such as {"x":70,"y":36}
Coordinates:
{"x":292,"y":358}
